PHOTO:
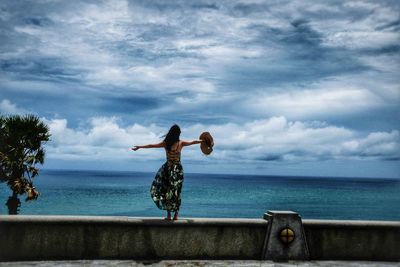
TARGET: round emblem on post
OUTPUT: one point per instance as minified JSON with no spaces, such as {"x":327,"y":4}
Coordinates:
{"x":286,"y":235}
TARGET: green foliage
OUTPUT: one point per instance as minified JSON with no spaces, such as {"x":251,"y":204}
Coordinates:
{"x":21,"y":140}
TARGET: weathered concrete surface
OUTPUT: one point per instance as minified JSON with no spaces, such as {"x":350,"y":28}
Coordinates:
{"x":76,"y":238}
{"x":353,"y":240}
{"x":65,"y":237}
{"x":197,"y":263}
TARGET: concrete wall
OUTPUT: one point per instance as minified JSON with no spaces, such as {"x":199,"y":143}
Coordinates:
{"x":353,"y":240}
{"x":69,"y":237}
{"x":49,"y":237}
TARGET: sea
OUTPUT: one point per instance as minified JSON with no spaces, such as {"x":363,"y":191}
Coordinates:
{"x":118,"y":193}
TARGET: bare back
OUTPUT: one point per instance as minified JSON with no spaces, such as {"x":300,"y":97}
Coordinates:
{"x":174,"y":155}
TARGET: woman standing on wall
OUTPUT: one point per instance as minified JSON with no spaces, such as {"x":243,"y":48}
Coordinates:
{"x":167,"y":185}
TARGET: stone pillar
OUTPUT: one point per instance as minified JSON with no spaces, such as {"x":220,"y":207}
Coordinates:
{"x":285,"y":239}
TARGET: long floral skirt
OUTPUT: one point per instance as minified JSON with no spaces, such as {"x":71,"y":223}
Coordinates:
{"x":166,"y":187}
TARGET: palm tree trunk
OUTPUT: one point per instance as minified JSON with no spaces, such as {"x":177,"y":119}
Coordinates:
{"x":13,"y":204}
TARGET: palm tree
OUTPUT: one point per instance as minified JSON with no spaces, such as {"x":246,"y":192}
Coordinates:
{"x":21,"y":139}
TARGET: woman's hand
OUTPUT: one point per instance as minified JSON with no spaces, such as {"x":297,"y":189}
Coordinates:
{"x":135,"y":148}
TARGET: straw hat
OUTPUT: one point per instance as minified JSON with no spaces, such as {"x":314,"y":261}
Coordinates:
{"x":206,"y":146}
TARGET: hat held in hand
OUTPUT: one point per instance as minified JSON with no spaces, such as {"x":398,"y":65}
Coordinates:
{"x":207,"y":145}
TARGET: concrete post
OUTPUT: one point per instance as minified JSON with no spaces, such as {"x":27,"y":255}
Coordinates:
{"x":285,"y":239}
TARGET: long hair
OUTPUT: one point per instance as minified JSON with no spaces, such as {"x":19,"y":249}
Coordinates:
{"x":172,"y":136}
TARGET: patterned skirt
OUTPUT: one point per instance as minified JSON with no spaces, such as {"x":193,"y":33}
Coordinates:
{"x":166,"y":187}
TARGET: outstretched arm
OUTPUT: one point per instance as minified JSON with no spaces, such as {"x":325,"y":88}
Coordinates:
{"x":189,"y":143}
{"x":162,"y":144}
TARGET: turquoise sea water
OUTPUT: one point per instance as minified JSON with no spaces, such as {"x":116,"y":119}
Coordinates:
{"x":211,"y":195}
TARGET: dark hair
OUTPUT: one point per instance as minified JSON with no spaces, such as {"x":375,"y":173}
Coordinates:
{"x":172,"y":136}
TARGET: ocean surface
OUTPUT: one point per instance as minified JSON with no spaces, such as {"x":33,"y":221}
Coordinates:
{"x":65,"y":192}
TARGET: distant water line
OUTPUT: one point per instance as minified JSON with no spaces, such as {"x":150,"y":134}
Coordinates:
{"x":213,"y":195}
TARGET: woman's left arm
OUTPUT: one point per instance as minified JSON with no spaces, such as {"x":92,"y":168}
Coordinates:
{"x":149,"y":146}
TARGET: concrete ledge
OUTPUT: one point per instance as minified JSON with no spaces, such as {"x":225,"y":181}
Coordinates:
{"x":91,"y":237}
{"x":349,"y":224}
{"x":150,"y":221}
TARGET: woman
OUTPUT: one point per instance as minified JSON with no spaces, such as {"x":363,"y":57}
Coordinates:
{"x":167,"y":184}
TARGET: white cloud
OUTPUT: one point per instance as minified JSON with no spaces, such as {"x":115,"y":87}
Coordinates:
{"x":228,"y":54}
{"x":10,"y":108}
{"x":314,"y":103}
{"x":181,"y":75}
{"x":273,"y":139}
{"x":362,"y":39}
{"x":103,"y":139}
{"x":376,"y":144}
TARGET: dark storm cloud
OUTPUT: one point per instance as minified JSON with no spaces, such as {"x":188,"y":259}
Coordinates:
{"x":270,"y":158}
{"x":128,"y":104}
{"x":38,"y":21}
{"x":305,"y":57}
{"x":44,"y":69}
{"x":392,"y":26}
{"x":149,"y":36}
{"x":244,"y":10}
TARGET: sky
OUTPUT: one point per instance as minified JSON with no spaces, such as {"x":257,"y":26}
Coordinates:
{"x":308,"y":88}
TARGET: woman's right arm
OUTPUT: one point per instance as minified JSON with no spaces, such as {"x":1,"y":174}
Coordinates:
{"x":189,"y":143}
{"x":162,"y":144}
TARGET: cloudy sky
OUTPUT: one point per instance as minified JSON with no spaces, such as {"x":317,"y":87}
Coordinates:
{"x":285,"y":87}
